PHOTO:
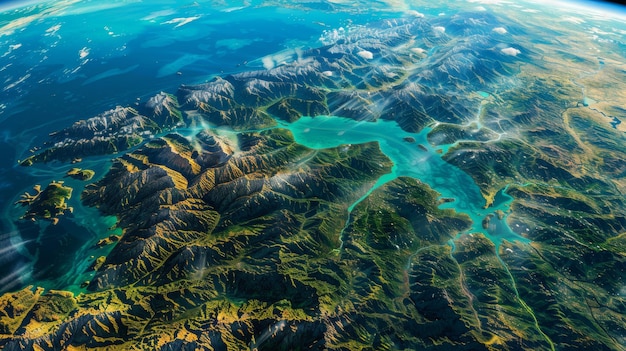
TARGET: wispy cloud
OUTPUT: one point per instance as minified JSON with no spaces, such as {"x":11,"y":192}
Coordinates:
{"x":510,"y":51}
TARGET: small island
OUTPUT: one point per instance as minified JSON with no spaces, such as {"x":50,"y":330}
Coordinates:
{"x":235,"y":231}
{"x":500,"y":214}
{"x":47,"y":204}
{"x":487,"y":221}
{"x":80,"y":174}
{"x":108,"y":240}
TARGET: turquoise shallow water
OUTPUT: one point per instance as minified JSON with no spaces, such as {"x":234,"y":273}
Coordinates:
{"x":411,"y":159}
{"x":56,"y":256}
{"x":86,"y":57}
{"x":73,"y":62}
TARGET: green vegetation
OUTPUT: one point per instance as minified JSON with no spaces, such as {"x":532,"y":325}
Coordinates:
{"x":47,"y":204}
{"x":243,"y":240}
{"x":80,"y":174}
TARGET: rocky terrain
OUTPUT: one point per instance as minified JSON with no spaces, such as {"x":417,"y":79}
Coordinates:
{"x":408,"y":70}
{"x":237,"y":237}
{"x":48,"y":203}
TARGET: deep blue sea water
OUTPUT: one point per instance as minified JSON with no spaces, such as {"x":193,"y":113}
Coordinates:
{"x":65,"y":61}
{"x":61,"y":62}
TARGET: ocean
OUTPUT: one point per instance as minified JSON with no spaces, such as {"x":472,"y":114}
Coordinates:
{"x":67,"y":61}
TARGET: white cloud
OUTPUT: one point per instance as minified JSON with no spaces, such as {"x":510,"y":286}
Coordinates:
{"x":439,"y":29}
{"x":572,"y":19}
{"x":599,"y":31}
{"x":500,"y":30}
{"x":52,"y":30}
{"x":268,"y":62}
{"x":157,"y":14}
{"x":510,"y":51}
{"x":414,"y":13}
{"x":487,"y":2}
{"x":84,"y":52}
{"x":181,"y":21}
{"x":365,"y":54}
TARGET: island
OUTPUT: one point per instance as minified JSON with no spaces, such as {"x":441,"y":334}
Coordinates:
{"x":47,"y":204}
{"x":80,"y":174}
{"x":235,"y":235}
